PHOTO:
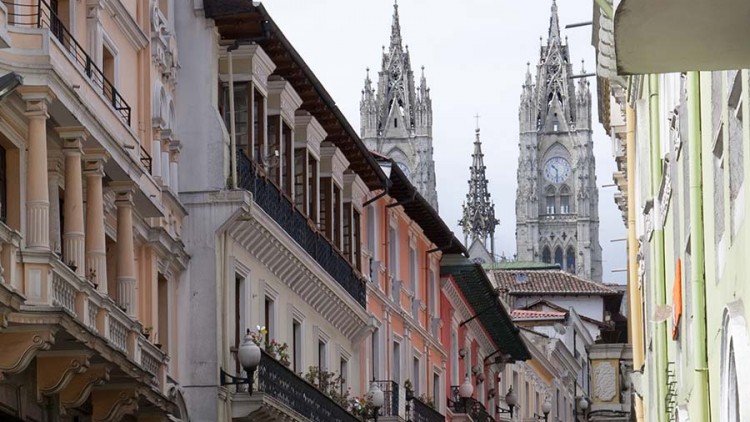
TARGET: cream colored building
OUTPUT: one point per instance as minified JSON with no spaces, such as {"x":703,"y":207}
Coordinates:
{"x":91,"y":257}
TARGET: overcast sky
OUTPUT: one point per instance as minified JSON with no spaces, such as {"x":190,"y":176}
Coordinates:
{"x":475,"y":54}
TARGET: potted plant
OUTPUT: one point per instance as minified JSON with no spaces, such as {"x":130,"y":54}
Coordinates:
{"x":409,"y":390}
{"x":283,"y":351}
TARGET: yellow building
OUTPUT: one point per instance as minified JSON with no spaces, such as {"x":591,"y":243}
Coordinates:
{"x":89,"y":238}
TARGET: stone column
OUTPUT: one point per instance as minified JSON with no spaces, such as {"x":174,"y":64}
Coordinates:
{"x":73,"y":234}
{"x":156,"y":153}
{"x":37,"y":184}
{"x":125,"y":248}
{"x":174,"y":160}
{"x":95,"y":241}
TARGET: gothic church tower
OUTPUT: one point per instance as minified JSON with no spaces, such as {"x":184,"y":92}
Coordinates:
{"x":396,"y":120}
{"x":557,"y":218}
{"x":478,"y":222}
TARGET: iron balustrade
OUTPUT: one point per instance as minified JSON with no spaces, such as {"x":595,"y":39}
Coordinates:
{"x":469,"y":406}
{"x":421,"y":412}
{"x":391,"y":396}
{"x":300,"y":228}
{"x":40,"y":15}
{"x":281,"y":383}
{"x":146,"y":159}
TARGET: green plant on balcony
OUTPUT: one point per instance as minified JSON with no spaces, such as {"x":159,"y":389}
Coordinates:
{"x":258,"y":336}
{"x":426,"y":399}
{"x":360,"y":407}
{"x":330,"y":383}
{"x":409,"y":389}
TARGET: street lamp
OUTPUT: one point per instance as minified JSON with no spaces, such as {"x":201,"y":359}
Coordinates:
{"x":583,"y":405}
{"x":249,"y":356}
{"x":465,"y":392}
{"x":511,"y":400}
{"x":376,"y":398}
{"x":546,"y":408}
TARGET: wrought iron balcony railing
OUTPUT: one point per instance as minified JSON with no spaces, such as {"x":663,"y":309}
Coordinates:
{"x":469,"y":406}
{"x":284,"y":385}
{"x":39,"y":14}
{"x":390,"y":392}
{"x":421,"y":412}
{"x":300,"y":228}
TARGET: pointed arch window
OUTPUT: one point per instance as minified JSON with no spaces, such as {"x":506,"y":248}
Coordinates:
{"x":564,"y":200}
{"x":546,"y":255}
{"x":559,"y":256}
{"x":550,"y":200}
{"x":570,"y":259}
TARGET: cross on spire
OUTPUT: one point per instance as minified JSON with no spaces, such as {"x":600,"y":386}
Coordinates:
{"x":476,"y":116}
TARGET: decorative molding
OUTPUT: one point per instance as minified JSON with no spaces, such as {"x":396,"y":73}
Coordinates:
{"x":79,"y":388}
{"x":605,"y":381}
{"x":55,"y":370}
{"x":127,"y":24}
{"x":19,"y":346}
{"x":113,"y":404}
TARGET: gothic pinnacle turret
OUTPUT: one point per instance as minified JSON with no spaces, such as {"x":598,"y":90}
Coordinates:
{"x":396,"y":120}
{"x":478,"y":221}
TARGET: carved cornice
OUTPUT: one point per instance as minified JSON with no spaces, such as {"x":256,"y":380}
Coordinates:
{"x":127,"y":24}
{"x":55,"y":370}
{"x":18,"y":346}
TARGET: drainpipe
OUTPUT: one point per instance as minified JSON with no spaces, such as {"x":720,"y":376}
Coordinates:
{"x":658,"y":283}
{"x":634,"y":293}
{"x":699,"y":396}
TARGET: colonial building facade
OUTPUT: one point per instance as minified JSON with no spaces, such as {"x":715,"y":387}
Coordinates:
{"x":557,"y":217}
{"x":91,"y":258}
{"x":396,"y":119}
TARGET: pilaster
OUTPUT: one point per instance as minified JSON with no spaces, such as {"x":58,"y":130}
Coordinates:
{"x":55,"y":164}
{"x":73,"y":232}
{"x":175,"y":147}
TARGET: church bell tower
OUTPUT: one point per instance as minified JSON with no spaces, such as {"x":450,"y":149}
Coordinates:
{"x":557,"y":217}
{"x":396,"y":119}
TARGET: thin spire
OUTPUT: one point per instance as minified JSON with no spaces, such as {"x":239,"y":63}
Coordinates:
{"x":554,"y":25}
{"x":478,"y":220}
{"x":395,"y":27}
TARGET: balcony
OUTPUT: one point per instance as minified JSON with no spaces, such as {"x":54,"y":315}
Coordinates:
{"x":391,"y":406}
{"x":470,"y":407}
{"x":421,"y":412}
{"x":300,"y":228}
{"x":282,"y":392}
{"x":40,"y":15}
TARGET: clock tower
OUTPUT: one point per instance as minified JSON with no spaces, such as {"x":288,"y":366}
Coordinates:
{"x":557,"y":217}
{"x":396,"y":119}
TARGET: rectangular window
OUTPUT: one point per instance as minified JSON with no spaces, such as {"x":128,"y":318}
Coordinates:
{"x":357,"y":239}
{"x":396,"y":373}
{"x":431,"y":296}
{"x":375,"y":354}
{"x":393,"y":252}
{"x":337,"y":217}
{"x":259,"y":125}
{"x":241,"y":115}
{"x":313,"y":187}
{"x":344,"y":373}
{"x":326,"y":213}
{"x":297,"y":346}
{"x":550,"y":204}
{"x":322,"y":355}
{"x":348,"y":235}
{"x":268,"y":318}
{"x":416,"y":375}
{"x":413,"y":272}
{"x":300,"y":184}
{"x":271,"y":161}
{"x":564,"y":204}
{"x":108,"y":68}
{"x":286,"y":159}
{"x":164,"y":312}
{"x":436,"y":390}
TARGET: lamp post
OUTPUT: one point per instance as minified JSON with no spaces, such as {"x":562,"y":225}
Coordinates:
{"x":511,"y":400}
{"x":583,"y":405}
{"x":546,"y":408}
{"x":376,"y":398}
{"x":465,"y":392}
{"x":249,"y":356}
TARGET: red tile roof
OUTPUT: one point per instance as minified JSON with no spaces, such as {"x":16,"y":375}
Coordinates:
{"x":526,"y":314}
{"x":547,"y":282}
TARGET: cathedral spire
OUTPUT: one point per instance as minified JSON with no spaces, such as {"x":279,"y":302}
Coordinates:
{"x":395,"y":28}
{"x":554,"y":25}
{"x":478,"y":221}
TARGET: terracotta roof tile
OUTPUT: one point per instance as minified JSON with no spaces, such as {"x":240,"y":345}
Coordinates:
{"x":547,"y":282}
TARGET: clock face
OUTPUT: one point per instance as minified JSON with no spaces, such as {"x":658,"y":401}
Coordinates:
{"x":404,"y":168}
{"x":556,"y":169}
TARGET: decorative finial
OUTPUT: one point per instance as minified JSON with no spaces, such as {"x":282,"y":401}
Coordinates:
{"x":476,"y":116}
{"x":583,"y":66}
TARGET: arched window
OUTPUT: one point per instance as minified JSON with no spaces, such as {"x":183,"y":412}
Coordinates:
{"x":564,"y":200}
{"x":570,"y":259}
{"x":559,"y":256}
{"x":546,"y":255}
{"x":550,"y":200}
